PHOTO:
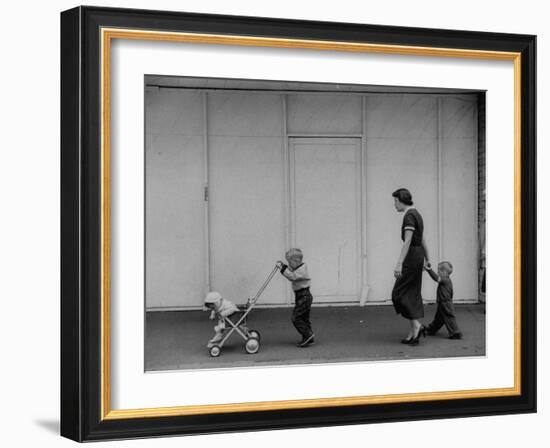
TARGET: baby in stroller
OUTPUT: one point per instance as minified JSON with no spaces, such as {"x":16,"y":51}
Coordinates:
{"x":220,"y":308}
{"x":223,"y":309}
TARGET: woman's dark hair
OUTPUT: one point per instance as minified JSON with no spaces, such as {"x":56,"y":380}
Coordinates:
{"x":403,"y":195}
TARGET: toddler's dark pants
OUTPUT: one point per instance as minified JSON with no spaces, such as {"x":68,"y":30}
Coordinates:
{"x":301,"y":312}
{"x":445,"y":315}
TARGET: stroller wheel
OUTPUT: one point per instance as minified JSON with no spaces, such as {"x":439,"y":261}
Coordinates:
{"x":215,"y":351}
{"x":252,"y":346}
{"x":255,"y":334}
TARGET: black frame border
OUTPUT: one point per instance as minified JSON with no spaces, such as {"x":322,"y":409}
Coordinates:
{"x":81,"y":223}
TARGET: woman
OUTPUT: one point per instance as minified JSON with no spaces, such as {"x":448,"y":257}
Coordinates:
{"x":406,"y":294}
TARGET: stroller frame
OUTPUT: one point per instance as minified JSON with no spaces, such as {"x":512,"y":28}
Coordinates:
{"x":251,"y":337}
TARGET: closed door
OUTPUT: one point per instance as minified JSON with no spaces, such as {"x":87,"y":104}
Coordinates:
{"x":325,"y":203}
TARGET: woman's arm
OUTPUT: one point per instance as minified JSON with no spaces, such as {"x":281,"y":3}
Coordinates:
{"x":426,"y":253}
{"x":403,"y":254}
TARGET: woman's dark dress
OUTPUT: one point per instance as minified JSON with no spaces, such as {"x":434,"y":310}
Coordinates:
{"x":406,"y":295}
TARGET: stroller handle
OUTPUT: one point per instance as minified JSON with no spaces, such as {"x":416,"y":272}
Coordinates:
{"x":262,"y":288}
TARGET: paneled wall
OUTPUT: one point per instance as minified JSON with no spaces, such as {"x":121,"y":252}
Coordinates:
{"x":459,"y":179}
{"x":401,"y":151}
{"x":481,"y":193}
{"x":324,"y":114}
{"x":175,"y":235}
{"x":247,"y":193}
{"x":242,"y":145}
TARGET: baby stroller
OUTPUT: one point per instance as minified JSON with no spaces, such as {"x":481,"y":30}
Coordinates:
{"x":251,"y":337}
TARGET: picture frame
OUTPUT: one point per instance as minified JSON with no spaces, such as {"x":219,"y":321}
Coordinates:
{"x":86,"y":37}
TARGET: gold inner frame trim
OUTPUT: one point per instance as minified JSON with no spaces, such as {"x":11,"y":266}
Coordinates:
{"x":107,"y":35}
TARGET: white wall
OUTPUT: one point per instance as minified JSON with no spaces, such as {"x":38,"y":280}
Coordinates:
{"x":431,"y":149}
{"x":262,"y":201}
{"x":175,"y":169}
{"x":324,"y":114}
{"x":247,"y":194}
{"x":401,"y":151}
{"x":459,"y":240}
{"x":30,"y":228}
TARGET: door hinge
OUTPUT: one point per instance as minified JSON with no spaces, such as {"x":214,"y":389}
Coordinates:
{"x":206,"y":193}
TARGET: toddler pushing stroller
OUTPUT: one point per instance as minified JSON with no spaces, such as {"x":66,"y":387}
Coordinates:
{"x":235,"y":319}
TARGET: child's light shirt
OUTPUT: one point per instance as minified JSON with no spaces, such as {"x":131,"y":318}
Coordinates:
{"x":299,"y":276}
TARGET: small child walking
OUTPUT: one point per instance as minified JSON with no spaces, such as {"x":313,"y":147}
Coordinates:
{"x":220,"y":308}
{"x":296,"y":272}
{"x":445,"y":314}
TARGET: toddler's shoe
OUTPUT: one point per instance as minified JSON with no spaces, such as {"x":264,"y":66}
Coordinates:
{"x":456,"y":336}
{"x":307,"y":341}
{"x":214,"y":340}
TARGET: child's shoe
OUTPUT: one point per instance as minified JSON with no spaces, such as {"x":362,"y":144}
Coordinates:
{"x":217,"y":338}
{"x":456,"y":336}
{"x":307,"y":341}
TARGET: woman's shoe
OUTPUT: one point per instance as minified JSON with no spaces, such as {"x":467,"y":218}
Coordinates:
{"x":416,"y":340}
{"x":406,"y":341}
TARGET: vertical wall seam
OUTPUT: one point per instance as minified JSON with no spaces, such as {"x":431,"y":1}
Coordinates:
{"x":363,"y":194}
{"x":287,"y":193}
{"x":439,"y":181}
{"x":477,"y":251}
{"x":206,"y":179}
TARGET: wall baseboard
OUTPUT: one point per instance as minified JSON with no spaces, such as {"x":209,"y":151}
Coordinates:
{"x":315,"y":305}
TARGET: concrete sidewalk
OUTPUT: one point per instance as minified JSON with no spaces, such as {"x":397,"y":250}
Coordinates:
{"x":177,"y":339}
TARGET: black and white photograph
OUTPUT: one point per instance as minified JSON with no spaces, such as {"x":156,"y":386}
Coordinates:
{"x":275,"y":224}
{"x":296,"y":223}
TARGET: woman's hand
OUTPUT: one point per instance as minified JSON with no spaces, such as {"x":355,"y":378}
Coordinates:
{"x":427,"y":264}
{"x":397,"y":272}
